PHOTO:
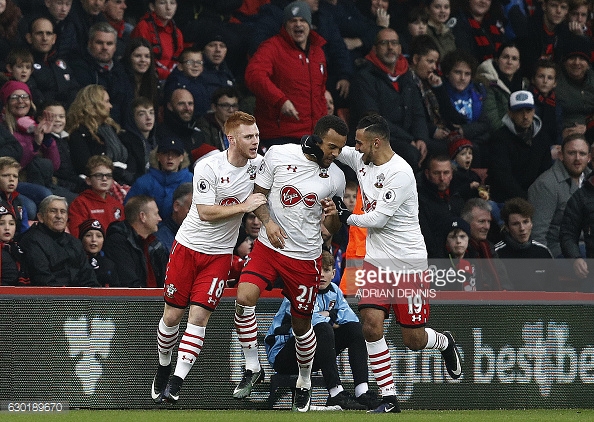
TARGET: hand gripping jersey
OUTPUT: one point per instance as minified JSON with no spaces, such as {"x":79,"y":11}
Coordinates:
{"x":217,"y":182}
{"x":390,"y":189}
{"x":297,"y":185}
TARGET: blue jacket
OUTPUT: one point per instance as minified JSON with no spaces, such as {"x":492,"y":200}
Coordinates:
{"x":331,"y":299}
{"x":160,"y":185}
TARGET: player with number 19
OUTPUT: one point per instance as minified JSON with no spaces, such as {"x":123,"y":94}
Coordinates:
{"x":395,"y":248}
{"x":201,"y":254}
{"x":299,"y":182}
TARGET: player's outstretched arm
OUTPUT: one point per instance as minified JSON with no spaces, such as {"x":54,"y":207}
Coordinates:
{"x":221,"y":212}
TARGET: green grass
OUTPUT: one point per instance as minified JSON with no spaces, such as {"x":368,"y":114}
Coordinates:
{"x":282,"y":416}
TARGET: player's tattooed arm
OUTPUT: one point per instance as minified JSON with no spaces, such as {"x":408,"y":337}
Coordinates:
{"x":276,"y":235}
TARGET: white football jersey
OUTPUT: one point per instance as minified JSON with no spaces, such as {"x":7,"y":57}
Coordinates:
{"x":217,"y":182}
{"x":390,"y":189}
{"x":297,"y":185}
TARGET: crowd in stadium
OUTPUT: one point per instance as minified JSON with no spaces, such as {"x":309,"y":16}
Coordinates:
{"x":107,"y":105}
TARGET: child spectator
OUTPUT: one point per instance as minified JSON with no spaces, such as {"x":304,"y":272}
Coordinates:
{"x":456,"y":246}
{"x":92,"y":235}
{"x":9,"y":179}
{"x":96,"y":202}
{"x":465,"y":181}
{"x":19,"y":65}
{"x":169,"y":169}
{"x":439,"y":25}
{"x":543,"y":84}
{"x":158,"y":27}
{"x":11,"y":271}
{"x":139,"y":136}
{"x":417,"y":19}
{"x":186,"y":75}
{"x":350,"y":194}
{"x":68,"y":182}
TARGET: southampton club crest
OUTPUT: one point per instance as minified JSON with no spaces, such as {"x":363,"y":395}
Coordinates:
{"x":252,"y":171}
{"x":380,"y":181}
{"x":324,"y":173}
{"x":170,"y":291}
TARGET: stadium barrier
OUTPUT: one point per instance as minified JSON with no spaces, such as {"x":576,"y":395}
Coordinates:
{"x":96,"y":348}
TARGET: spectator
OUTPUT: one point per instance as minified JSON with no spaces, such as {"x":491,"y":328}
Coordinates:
{"x":536,"y":271}
{"x":169,"y":169}
{"x":520,"y":150}
{"x":179,"y":122}
{"x":52,"y":256}
{"x":502,"y":76}
{"x":216,"y":72}
{"x":242,"y":249}
{"x":58,"y":12}
{"x":92,"y":235}
{"x":12,"y":268}
{"x":140,"y":258}
{"x":334,"y":321}
{"x":114,"y":13}
{"x":543,"y":84}
{"x":94,"y":132}
{"x":490,"y":271}
{"x":84,"y":14}
{"x":424,"y":57}
{"x":288,"y":81}
{"x":438,"y":204}
{"x":465,"y":181}
{"x":350,"y":194}
{"x":478,"y":28}
{"x":9,"y":179}
{"x":224,"y":102}
{"x":67,"y":180}
{"x":252,"y":224}
{"x":575,"y":85}
{"x":384,"y":85}
{"x":463,"y":107}
{"x":439,"y":25}
{"x":552,"y":189}
{"x":97,"y":66}
{"x":457,"y":247}
{"x":52,"y":77}
{"x":139,"y":136}
{"x":182,"y":201}
{"x":358,"y":31}
{"x":187,"y":75}
{"x":40,"y":153}
{"x":10,"y":17}
{"x":19,"y":65}
{"x":416,"y":25}
{"x":139,"y":62}
{"x":157,"y":26}
{"x":545,"y":36}
{"x":96,"y":202}
{"x":339,"y":67}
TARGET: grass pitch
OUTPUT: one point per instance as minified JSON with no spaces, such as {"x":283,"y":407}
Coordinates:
{"x":556,"y":415}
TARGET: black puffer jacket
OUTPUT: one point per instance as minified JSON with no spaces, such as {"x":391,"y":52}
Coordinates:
{"x":578,"y":217}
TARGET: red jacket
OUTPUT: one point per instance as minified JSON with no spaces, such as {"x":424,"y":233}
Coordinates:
{"x":166,"y":46}
{"x":281,"y":71}
{"x":88,"y":204}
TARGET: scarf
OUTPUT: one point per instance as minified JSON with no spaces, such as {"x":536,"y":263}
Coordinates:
{"x":550,"y":100}
{"x":487,"y":37}
{"x":430,"y":101}
{"x":484,"y":251}
{"x":114,"y":148}
{"x":400,"y":69}
{"x":468,"y":103}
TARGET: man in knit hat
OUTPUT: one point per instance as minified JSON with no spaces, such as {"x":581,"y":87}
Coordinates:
{"x":288,"y":74}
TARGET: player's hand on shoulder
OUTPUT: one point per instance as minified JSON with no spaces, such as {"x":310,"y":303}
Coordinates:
{"x":254,"y":201}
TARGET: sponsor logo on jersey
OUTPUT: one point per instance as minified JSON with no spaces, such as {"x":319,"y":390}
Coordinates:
{"x":291,"y":196}
{"x":229,"y":201}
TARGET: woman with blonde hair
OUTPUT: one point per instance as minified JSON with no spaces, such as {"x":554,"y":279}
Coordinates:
{"x":94,"y":132}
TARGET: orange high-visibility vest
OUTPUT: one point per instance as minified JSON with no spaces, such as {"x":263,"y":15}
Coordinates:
{"x":355,"y":252}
